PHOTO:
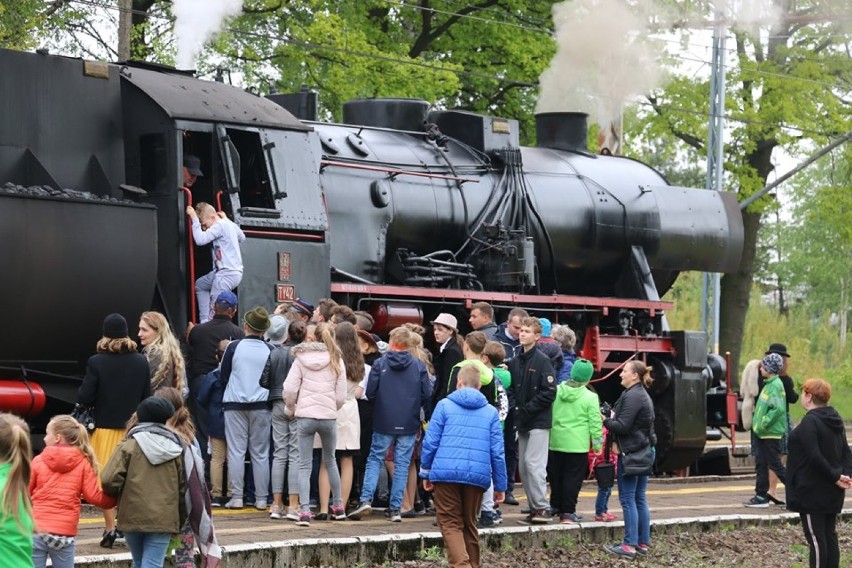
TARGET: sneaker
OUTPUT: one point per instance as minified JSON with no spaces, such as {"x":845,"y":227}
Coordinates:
{"x":395,"y":516}
{"x":567,"y":518}
{"x":605,"y":518}
{"x":620,"y":550}
{"x":486,"y":521}
{"x":526,"y":510}
{"x":321,"y":517}
{"x":234,"y":503}
{"x":642,"y":549}
{"x":292,"y":514}
{"x":757,"y":502}
{"x":218,"y":502}
{"x":364,"y":509}
{"x":304,"y":519}
{"x":539,"y":517}
{"x":261,"y":505}
{"x":337,"y":512}
{"x":276,"y":512}
{"x":410,"y":514}
{"x":510,"y":499}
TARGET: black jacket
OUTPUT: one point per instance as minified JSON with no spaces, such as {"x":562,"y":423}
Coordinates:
{"x":818,"y":455}
{"x":534,"y":388}
{"x":633,"y":425}
{"x":203,"y":340}
{"x":280,"y":360}
{"x":444,"y":362}
{"x":115,"y":384}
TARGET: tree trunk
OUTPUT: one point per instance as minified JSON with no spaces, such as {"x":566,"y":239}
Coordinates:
{"x":844,"y":311}
{"x":125,"y":17}
{"x":736,"y":290}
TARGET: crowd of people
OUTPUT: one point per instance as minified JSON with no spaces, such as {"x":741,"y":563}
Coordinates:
{"x":307,"y":415}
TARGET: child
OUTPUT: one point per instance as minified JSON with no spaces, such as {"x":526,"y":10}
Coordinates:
{"x":462,"y":454}
{"x":602,"y":513}
{"x":146,"y":474}
{"x":65,"y":469}
{"x":16,"y":522}
{"x":210,"y":393}
{"x":577,"y":427}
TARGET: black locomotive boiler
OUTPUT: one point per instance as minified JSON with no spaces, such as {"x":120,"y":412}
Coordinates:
{"x":400,"y":210}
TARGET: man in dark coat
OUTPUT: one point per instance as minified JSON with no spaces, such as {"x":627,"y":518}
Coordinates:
{"x":482,"y":319}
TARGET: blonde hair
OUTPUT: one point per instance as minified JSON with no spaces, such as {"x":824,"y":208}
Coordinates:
{"x":16,"y":450}
{"x":403,"y":338}
{"x":421,"y":353}
{"x":112,"y":345}
{"x":164,"y":350}
{"x":74,"y":434}
{"x":181,"y":421}
{"x":204,"y":209}
{"x":326,"y":335}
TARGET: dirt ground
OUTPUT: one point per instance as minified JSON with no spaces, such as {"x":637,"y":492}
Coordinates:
{"x":753,"y":547}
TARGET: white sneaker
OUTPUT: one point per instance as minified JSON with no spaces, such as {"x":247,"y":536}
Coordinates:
{"x":292,"y":514}
{"x":234,"y":503}
{"x":260,"y":505}
{"x":276,"y":512}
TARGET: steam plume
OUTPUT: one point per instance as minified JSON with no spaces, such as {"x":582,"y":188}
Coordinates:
{"x":196,"y":21}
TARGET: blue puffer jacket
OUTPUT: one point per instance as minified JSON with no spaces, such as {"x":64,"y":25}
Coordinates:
{"x":464,"y":442}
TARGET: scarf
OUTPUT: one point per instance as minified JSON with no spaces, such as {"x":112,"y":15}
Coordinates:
{"x":198,"y":508}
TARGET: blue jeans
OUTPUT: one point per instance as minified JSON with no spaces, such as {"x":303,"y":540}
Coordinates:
{"x":634,"y":506}
{"x":148,"y":549}
{"x":403,"y":448}
{"x":602,"y":501}
{"x":62,"y":558}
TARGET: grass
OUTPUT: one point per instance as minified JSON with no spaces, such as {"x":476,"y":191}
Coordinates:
{"x":841,"y":400}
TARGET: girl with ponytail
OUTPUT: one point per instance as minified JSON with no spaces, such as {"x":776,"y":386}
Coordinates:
{"x":65,"y":470}
{"x":16,"y":522}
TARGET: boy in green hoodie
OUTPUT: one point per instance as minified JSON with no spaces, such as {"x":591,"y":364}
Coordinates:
{"x":577,"y":427}
{"x":769,"y":424}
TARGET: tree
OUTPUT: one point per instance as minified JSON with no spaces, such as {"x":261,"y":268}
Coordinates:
{"x":789,"y":87}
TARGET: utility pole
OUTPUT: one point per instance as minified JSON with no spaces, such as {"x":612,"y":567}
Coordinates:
{"x":715,"y":169}
{"x":125,"y":24}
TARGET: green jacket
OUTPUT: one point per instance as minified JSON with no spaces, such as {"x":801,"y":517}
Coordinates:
{"x":577,"y":421}
{"x":16,"y":537}
{"x":770,"y":412}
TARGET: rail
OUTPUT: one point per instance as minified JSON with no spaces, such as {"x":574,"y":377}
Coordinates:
{"x":190,"y":248}
{"x":394,"y":172}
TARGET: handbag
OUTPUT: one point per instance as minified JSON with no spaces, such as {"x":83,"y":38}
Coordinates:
{"x":85,"y":415}
{"x":640,"y":462}
{"x":605,"y":470}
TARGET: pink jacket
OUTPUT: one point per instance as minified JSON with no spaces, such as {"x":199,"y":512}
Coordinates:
{"x":311,"y":390}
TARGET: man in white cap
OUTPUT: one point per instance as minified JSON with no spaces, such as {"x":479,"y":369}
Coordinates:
{"x":446,"y":329}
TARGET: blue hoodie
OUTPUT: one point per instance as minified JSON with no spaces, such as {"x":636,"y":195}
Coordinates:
{"x":464,"y":442}
{"x":399,"y":387}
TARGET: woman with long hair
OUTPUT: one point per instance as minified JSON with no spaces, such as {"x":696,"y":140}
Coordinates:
{"x":315,"y":389}
{"x":633,"y":431}
{"x":117,"y":380}
{"x":161,"y":348}
{"x":348,"y":420}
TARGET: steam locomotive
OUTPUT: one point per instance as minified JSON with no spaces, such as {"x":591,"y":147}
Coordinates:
{"x":399,"y":210}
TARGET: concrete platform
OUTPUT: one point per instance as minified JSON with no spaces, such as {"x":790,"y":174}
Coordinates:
{"x":251,"y":539}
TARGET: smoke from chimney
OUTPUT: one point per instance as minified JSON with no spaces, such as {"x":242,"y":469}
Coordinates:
{"x":196,"y":21}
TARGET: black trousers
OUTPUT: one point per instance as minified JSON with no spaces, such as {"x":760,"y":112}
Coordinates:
{"x":821,"y":533}
{"x":768,"y":456}
{"x":566,"y":472}
{"x":510,"y":446}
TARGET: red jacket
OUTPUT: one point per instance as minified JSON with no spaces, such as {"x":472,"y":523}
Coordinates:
{"x":60,"y":474}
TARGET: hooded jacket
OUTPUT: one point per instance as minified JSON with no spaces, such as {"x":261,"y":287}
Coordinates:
{"x":818,"y":455}
{"x":60,"y":474}
{"x":244,"y":365}
{"x":280,"y":361}
{"x":577,"y":422}
{"x":210,"y":393}
{"x":511,"y":345}
{"x":464,"y":443}
{"x":563,"y":372}
{"x":146,"y":474}
{"x":553,"y":350}
{"x":770,"y":412}
{"x":399,"y":387}
{"x":312,"y":390}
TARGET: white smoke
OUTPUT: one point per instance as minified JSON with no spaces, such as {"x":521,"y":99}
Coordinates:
{"x":603,"y":58}
{"x":196,"y":21}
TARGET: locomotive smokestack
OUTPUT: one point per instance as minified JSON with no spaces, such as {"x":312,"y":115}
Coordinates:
{"x":562,"y":131}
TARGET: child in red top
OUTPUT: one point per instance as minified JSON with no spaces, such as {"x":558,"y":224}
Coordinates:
{"x":65,"y":470}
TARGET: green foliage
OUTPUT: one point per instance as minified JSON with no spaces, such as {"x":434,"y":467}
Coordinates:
{"x":20,"y":20}
{"x":432,"y":553}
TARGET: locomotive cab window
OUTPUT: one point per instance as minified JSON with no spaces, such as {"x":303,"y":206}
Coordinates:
{"x":247,"y":169}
